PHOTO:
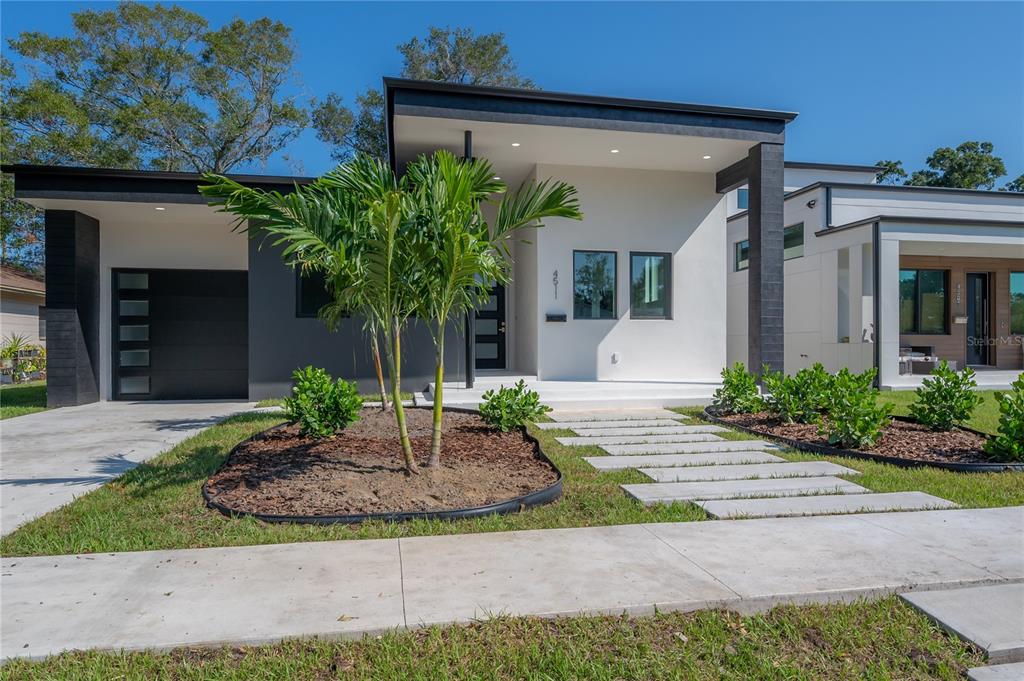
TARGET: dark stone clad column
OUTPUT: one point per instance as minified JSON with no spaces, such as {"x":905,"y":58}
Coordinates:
{"x":765,"y":325}
{"x":72,"y":308}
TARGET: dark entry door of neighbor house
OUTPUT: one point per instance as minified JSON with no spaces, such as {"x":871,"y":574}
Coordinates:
{"x":490,"y":331}
{"x":977,"y":318}
{"x":180,"y":334}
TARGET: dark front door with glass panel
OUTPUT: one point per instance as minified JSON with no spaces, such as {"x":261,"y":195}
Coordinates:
{"x":977,"y":318}
{"x":490,"y":331}
{"x":180,"y":334}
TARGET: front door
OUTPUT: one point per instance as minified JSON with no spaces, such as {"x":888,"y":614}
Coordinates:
{"x":490,"y":331}
{"x":977,"y":318}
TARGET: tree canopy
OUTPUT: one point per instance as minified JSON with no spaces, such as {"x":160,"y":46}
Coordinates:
{"x":971,"y":165}
{"x":445,"y":54}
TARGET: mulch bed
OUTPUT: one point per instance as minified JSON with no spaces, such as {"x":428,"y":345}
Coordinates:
{"x":360,"y":470}
{"x":900,"y":439}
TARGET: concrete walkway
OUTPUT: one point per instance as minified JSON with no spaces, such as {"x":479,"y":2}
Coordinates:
{"x":51,"y":457}
{"x":254,"y":594}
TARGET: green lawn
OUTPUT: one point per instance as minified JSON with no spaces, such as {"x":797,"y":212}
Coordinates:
{"x":158,"y":505}
{"x":21,"y":399}
{"x":985,"y":418}
{"x":883,"y":640}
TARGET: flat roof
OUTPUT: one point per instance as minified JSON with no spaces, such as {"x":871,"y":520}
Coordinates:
{"x":849,"y":167}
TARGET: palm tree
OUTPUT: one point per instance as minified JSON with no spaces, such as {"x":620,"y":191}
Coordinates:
{"x":460,"y":253}
{"x":351,"y":225}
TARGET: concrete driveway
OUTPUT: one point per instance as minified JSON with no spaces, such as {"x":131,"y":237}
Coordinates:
{"x":49,"y":458}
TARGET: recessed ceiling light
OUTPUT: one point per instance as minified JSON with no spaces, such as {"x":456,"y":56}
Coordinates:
{"x":615,"y":151}
{"x":515,"y":144}
{"x":160,"y":208}
{"x":496,"y":177}
{"x":706,"y":156}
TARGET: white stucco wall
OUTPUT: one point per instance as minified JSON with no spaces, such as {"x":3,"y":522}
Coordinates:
{"x":182,"y":237}
{"x":636,"y":210}
{"x":796,"y":178}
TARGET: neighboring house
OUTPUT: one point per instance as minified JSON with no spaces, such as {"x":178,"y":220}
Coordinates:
{"x":156,"y":296}
{"x":22,"y":304}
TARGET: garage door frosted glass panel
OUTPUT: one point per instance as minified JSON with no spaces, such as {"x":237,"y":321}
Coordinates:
{"x":135,"y":332}
{"x":133,"y":280}
{"x":135,"y":358}
{"x":134,"y":308}
{"x":134,"y":385}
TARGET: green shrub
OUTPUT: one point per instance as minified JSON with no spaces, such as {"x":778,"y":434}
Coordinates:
{"x":946,"y":398}
{"x":799,"y":398}
{"x":511,"y":407}
{"x":855,"y":419}
{"x":739,"y":393}
{"x":320,"y":405}
{"x":1008,"y":444}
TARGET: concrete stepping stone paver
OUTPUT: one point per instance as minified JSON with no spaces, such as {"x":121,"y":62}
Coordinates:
{"x":648,"y":430}
{"x":618,"y":463}
{"x":690,"y":447}
{"x":990,"y":617}
{"x":661,"y":492}
{"x":577,"y":426}
{"x":798,"y":469}
{"x":1000,"y":672}
{"x":637,"y":439}
{"x":612,"y":414}
{"x":830,"y":504}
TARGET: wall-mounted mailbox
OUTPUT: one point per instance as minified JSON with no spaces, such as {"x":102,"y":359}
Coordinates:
{"x":558,"y":317}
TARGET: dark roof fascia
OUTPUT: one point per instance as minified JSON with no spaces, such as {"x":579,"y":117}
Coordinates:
{"x":948,"y":191}
{"x":539,"y":107}
{"x":110,"y":184}
{"x":920,"y":220}
{"x":832,"y":166}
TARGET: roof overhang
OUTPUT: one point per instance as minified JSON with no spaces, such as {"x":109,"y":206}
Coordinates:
{"x":569,"y":129}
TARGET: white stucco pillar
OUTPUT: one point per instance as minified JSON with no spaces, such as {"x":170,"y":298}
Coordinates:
{"x":887,"y":328}
{"x":856,"y":291}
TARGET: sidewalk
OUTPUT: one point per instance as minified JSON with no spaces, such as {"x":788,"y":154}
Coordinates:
{"x":163,"y":599}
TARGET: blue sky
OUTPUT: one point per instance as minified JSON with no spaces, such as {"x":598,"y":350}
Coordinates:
{"x":870,"y":80}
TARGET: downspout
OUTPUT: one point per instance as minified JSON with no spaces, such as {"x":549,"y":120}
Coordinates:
{"x":876,"y":299}
{"x":470,"y":322}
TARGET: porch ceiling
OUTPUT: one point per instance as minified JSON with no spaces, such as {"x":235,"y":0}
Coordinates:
{"x":142,"y":214}
{"x":563,"y":145}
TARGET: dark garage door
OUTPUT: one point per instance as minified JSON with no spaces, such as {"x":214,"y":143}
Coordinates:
{"x":180,"y":334}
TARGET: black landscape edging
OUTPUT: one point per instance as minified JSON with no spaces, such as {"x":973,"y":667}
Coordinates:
{"x":547,"y":495}
{"x":994,"y":467}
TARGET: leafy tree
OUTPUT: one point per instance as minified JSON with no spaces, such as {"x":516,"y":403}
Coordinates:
{"x":462,"y":255}
{"x":890,"y":172}
{"x":1014,"y":185}
{"x":154,"y":83}
{"x":444,"y":54}
{"x":972,"y":165}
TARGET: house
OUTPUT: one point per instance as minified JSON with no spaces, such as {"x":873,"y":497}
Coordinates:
{"x":154,"y":295}
{"x":22,"y":304}
{"x":948,"y":266}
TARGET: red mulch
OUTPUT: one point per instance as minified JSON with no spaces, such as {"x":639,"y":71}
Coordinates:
{"x":899,"y":439}
{"x":360,"y":470}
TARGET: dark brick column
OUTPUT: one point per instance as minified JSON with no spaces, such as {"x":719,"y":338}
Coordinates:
{"x":72,"y":308}
{"x":765,"y":330}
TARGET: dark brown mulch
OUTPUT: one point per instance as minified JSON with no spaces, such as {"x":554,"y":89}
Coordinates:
{"x":360,"y":470}
{"x":901,"y":439}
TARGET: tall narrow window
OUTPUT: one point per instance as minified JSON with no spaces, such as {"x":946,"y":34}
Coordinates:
{"x":1017,"y":302}
{"x":793,"y":241}
{"x":742,"y":199}
{"x":311,"y":293}
{"x":650,"y":285}
{"x":593,"y":285}
{"x":741,"y":259}
{"x":923,"y":301}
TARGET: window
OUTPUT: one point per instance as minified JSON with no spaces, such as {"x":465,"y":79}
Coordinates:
{"x":742,"y":259}
{"x":793,"y":241}
{"x":1017,"y":302}
{"x":593,"y":284}
{"x":923,"y":303}
{"x":311,"y":293}
{"x":742,"y":199}
{"x":650,"y":285}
